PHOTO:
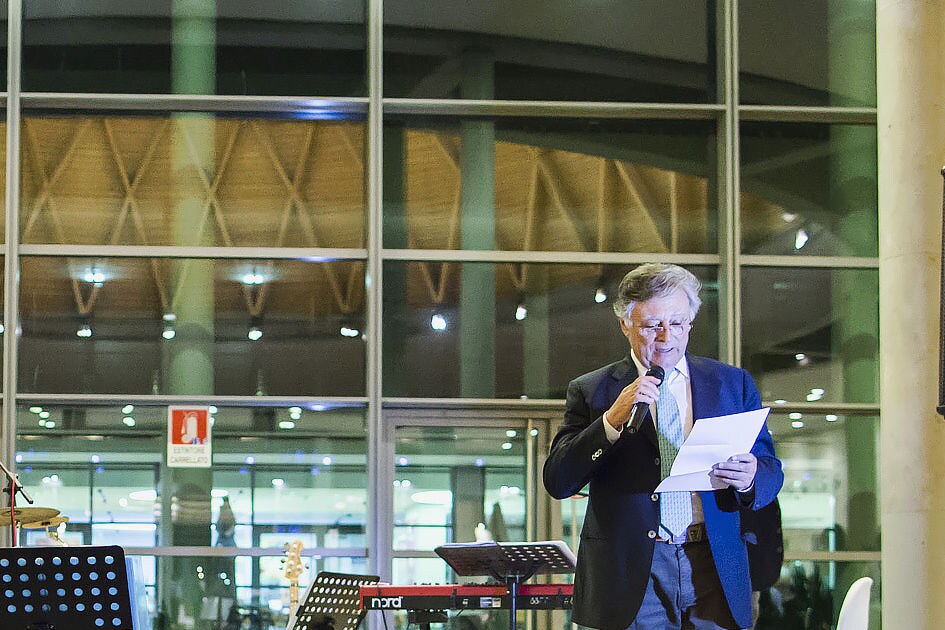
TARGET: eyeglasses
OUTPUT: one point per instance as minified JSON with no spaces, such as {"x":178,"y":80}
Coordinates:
{"x":676,"y":329}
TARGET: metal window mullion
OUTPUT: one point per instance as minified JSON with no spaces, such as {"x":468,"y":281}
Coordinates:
{"x":545,"y":407}
{"x":12,"y":225}
{"x":841,"y":408}
{"x":163,"y":103}
{"x":545,"y":257}
{"x":187,"y":551}
{"x":307,"y":254}
{"x":810,"y":262}
{"x":833,"y":556}
{"x":379,"y":455}
{"x":734,"y":186}
{"x":727,"y":172}
{"x":789,"y":113}
{"x":163,"y":399}
{"x":562,"y":109}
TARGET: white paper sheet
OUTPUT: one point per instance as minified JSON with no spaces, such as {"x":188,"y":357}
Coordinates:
{"x":712,"y":440}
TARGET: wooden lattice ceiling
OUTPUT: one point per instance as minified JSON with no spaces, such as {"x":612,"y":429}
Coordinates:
{"x":193,"y":180}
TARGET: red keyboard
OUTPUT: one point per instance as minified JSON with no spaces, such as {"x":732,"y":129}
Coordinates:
{"x":465,"y":597}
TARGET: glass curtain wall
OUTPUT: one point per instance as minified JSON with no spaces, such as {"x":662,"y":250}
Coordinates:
{"x":371,"y":241}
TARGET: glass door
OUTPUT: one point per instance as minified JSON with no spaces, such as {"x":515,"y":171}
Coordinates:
{"x":468,"y":476}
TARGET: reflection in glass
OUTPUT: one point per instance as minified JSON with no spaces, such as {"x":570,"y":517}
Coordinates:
{"x":580,"y":185}
{"x":495,"y":50}
{"x":817,"y":53}
{"x":256,"y":48}
{"x":99,"y":325}
{"x":573,"y":511}
{"x":279,"y":485}
{"x":192,"y":180}
{"x":437,"y":315}
{"x":811,"y":334}
{"x":458,"y":485}
{"x":829,"y":501}
{"x":808,"y":189}
{"x":108,"y":504}
{"x":808,"y":595}
{"x":96,"y":468}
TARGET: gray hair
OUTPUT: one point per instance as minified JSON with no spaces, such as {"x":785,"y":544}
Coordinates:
{"x":656,"y":280}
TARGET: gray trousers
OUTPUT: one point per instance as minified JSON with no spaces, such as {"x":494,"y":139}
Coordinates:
{"x":684,"y":591}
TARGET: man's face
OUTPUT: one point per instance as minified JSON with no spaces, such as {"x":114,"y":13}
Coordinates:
{"x":649,"y":331}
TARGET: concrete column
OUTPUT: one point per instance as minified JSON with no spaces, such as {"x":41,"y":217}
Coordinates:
{"x":477,"y":227}
{"x":188,"y":358}
{"x":911,"y":120}
{"x":395,"y":381}
{"x":468,"y":485}
{"x":536,"y":341}
{"x":852,"y":215}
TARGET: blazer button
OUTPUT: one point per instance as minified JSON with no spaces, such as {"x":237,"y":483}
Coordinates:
{"x":654,"y":497}
{"x":657,"y":461}
{"x":596,"y":454}
{"x":651,"y":534}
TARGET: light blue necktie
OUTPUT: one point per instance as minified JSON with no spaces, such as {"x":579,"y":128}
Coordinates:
{"x":675,"y":507}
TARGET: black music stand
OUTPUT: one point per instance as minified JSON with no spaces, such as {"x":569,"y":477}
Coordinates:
{"x":509,"y":563}
{"x":65,"y":588}
{"x":332,"y":602}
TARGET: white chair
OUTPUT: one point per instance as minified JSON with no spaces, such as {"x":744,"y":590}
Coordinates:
{"x":855,"y":610}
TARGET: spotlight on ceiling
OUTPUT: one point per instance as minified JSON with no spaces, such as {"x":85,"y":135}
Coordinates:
{"x":600,"y":296}
{"x":438,"y":322}
{"x":253,"y":278}
{"x":801,"y":238}
{"x":169,"y":331}
{"x":84,"y":331}
{"x":94,"y":276}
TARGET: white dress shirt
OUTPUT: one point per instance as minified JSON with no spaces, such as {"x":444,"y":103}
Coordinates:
{"x":680,"y":388}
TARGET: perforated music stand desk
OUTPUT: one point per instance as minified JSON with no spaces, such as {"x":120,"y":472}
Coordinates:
{"x":332,"y":602}
{"x":64,"y":588}
{"x":510,"y":563}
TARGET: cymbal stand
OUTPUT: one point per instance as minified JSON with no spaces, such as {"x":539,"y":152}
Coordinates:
{"x":12,"y":488}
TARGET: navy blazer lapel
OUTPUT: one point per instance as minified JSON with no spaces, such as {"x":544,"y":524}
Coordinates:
{"x":623,"y":373}
{"x":611,"y":385}
{"x":705,"y":385}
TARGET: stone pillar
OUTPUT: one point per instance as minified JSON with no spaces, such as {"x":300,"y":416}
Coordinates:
{"x":911,"y":120}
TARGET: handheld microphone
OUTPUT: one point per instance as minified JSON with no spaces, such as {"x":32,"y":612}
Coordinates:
{"x":639,"y":409}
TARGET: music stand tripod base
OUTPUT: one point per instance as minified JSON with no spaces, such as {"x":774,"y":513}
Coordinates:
{"x":509,"y":563}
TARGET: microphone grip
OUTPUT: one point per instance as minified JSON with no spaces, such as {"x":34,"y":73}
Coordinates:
{"x":638,"y":412}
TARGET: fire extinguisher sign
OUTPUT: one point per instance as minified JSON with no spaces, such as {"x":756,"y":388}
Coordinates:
{"x":188,"y":437}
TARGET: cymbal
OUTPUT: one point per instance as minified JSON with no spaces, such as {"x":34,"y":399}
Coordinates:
{"x":27,"y":514}
{"x":53,"y":522}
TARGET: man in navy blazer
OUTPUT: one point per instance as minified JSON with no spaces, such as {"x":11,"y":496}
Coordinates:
{"x":633,"y":571}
